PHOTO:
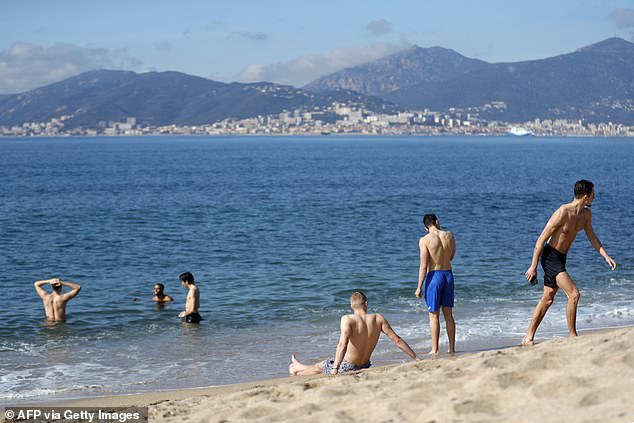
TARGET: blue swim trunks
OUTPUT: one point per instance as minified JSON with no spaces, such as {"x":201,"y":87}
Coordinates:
{"x":439,"y":289}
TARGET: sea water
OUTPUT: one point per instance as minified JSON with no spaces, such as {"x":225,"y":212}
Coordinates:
{"x":278,"y":231}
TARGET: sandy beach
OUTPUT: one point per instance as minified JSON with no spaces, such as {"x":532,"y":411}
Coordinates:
{"x":588,"y":379}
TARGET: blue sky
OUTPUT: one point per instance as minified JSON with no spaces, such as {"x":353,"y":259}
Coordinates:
{"x":289,"y":42}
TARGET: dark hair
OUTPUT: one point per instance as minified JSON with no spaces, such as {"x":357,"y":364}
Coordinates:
{"x":429,"y":220}
{"x":160,"y":285}
{"x":187,"y":277}
{"x":583,"y":187}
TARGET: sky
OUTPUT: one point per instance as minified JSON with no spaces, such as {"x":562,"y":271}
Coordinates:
{"x":283,"y":41}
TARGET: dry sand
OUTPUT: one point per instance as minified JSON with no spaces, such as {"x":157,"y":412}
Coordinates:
{"x":587,"y":379}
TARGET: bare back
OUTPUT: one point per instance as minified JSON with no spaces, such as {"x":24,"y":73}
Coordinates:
{"x":440,"y":247}
{"x":364,"y":331}
{"x":566,"y":223}
{"x":55,"y":307}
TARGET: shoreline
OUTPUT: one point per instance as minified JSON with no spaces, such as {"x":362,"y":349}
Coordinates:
{"x":485,"y":384}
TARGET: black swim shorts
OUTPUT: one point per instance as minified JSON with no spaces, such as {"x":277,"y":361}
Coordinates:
{"x":193,"y":318}
{"x":553,"y":263}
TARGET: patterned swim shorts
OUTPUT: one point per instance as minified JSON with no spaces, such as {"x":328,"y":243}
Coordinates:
{"x":344,"y":367}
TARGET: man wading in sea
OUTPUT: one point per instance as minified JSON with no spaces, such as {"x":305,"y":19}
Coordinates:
{"x":55,"y":302}
{"x":553,"y":245}
{"x":192,"y":303}
{"x":159,"y":294}
{"x":359,"y":334}
{"x":437,"y":249}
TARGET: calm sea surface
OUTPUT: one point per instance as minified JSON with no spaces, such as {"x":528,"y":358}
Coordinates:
{"x":278,"y":232}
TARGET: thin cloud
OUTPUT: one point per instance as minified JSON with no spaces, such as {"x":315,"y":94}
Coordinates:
{"x":254,"y":36}
{"x":163,"y":46}
{"x":379,"y":27}
{"x":214,"y":25}
{"x":304,"y":69}
{"x":26,"y":66}
{"x":623,"y":17}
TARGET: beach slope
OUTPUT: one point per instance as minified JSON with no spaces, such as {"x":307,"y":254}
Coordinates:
{"x":587,"y":379}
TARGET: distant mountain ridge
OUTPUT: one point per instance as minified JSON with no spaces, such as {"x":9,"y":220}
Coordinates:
{"x":406,"y":68}
{"x":163,"y":98}
{"x":595,"y":83}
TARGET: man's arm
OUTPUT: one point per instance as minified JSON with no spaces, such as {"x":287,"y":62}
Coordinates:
{"x":397,"y":340}
{"x":75,"y":288}
{"x":424,"y":262}
{"x":189,"y":304}
{"x":38,"y":286}
{"x":555,"y":221}
{"x":453,"y":246}
{"x":594,"y":240}
{"x":342,"y":346}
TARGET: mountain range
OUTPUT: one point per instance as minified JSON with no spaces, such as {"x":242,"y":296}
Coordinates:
{"x":164,"y":98}
{"x":595,"y":83}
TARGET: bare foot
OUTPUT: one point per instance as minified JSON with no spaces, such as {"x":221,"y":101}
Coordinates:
{"x":452,"y":352}
{"x":527,"y":342}
{"x":291,"y":367}
{"x":433,"y":353}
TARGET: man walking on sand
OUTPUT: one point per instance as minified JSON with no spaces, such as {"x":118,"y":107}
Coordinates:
{"x":553,"y":245}
{"x":437,"y":249}
{"x":55,"y":302}
{"x":359,"y":334}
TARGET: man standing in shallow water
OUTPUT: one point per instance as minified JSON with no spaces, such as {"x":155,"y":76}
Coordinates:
{"x":192,"y":302}
{"x":437,"y":249}
{"x":553,"y":245}
{"x":55,"y":302}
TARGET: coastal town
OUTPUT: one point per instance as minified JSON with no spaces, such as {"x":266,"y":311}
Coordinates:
{"x":337,"y":119}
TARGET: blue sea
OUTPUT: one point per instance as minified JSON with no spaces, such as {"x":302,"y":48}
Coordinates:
{"x":278,"y":231}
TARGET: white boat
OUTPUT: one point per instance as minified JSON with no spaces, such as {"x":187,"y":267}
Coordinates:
{"x":519,"y":132}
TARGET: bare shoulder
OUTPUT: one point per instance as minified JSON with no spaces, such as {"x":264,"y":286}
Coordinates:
{"x":587,"y":214}
{"x":561,"y":213}
{"x":346,"y":318}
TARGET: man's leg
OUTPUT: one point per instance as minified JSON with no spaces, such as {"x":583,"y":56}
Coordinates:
{"x":298,"y":369}
{"x":565,"y":282}
{"x":538,"y":315}
{"x":451,"y":328}
{"x":434,"y":329}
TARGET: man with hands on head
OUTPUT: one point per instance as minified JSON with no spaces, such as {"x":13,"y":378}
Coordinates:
{"x":55,"y":302}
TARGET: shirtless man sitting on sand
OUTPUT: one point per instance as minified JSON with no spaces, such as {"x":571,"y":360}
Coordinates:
{"x":437,"y":249}
{"x":55,"y":302}
{"x":359,"y":334}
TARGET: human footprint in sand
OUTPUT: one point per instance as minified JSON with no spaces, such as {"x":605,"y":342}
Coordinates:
{"x":437,"y":249}
{"x":359,"y":334}
{"x":553,"y":245}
